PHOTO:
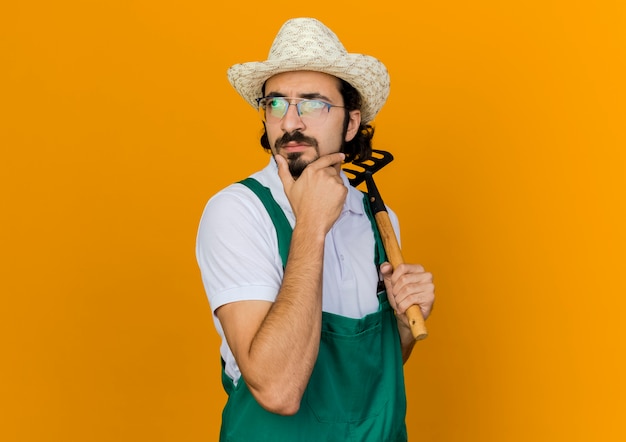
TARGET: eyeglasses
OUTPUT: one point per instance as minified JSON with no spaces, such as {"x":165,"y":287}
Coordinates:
{"x":273,"y":109}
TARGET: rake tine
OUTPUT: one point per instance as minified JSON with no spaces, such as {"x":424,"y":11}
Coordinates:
{"x":358,"y":169}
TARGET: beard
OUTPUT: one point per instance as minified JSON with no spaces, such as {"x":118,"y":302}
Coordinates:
{"x":297,"y":164}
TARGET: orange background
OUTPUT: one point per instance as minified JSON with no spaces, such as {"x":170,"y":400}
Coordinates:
{"x":507,"y":121}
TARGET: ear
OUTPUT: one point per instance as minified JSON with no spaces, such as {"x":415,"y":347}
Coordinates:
{"x":353,"y":124}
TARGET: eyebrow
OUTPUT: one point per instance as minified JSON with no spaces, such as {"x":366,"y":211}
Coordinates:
{"x":309,"y":96}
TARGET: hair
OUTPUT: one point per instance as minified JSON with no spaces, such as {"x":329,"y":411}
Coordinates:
{"x":358,"y":148}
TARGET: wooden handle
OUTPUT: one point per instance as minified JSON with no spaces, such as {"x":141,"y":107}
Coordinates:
{"x":394,"y":255}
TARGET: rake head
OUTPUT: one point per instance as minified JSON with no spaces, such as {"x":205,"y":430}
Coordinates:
{"x":357,"y":171}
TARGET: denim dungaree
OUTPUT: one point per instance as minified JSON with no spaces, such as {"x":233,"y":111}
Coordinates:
{"x":356,"y":391}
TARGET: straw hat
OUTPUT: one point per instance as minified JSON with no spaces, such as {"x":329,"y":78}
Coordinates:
{"x":306,"y":44}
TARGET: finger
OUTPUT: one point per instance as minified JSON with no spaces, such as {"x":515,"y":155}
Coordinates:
{"x":409,"y":268}
{"x":386,"y":270}
{"x":328,"y":160}
{"x":283,"y":171}
{"x":424,"y":300}
{"x":404,"y":289}
{"x":420,"y":293}
{"x":405,"y":273}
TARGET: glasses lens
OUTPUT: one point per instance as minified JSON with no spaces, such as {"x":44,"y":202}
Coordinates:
{"x":311,"y":108}
{"x":274,"y":107}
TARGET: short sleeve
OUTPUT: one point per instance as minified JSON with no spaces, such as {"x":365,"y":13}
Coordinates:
{"x":237,"y":249}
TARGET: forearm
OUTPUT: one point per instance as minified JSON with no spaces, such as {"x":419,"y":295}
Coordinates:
{"x":280,"y":353}
{"x":284,"y":349}
{"x":407,"y":341}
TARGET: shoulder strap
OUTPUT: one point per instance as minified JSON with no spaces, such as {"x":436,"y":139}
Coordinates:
{"x":380,"y":255}
{"x":281,"y":224}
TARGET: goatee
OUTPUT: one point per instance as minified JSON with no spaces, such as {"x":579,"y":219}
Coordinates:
{"x":297,"y":164}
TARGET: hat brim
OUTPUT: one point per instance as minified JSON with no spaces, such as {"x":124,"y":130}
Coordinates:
{"x":365,"y":73}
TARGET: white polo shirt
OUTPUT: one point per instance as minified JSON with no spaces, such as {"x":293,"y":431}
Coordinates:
{"x":237,"y":252}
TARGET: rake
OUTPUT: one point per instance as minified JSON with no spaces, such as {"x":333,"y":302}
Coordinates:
{"x":363,"y":171}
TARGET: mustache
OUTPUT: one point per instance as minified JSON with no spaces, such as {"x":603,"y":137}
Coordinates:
{"x":295,"y":136}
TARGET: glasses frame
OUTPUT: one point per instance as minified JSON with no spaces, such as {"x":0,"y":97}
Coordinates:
{"x":298,"y":105}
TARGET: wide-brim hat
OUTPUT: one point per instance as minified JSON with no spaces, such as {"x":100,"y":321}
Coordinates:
{"x":306,"y":44}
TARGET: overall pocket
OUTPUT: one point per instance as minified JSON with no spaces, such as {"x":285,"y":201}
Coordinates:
{"x":347,"y":384}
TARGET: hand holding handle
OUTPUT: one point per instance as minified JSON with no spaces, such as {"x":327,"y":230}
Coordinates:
{"x":392,"y":248}
{"x":394,"y":255}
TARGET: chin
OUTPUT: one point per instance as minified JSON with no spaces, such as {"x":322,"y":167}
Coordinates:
{"x":297,"y":163}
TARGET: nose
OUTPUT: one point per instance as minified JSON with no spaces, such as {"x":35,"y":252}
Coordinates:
{"x":291,"y":121}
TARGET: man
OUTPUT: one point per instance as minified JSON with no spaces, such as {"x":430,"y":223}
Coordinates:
{"x":312,"y":343}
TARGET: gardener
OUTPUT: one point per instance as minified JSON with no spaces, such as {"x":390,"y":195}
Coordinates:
{"x":311,"y":315}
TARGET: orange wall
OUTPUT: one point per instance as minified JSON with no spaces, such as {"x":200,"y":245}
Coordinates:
{"x":507,"y":120}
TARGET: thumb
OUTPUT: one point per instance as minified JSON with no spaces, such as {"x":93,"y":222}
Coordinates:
{"x":386,"y":270}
